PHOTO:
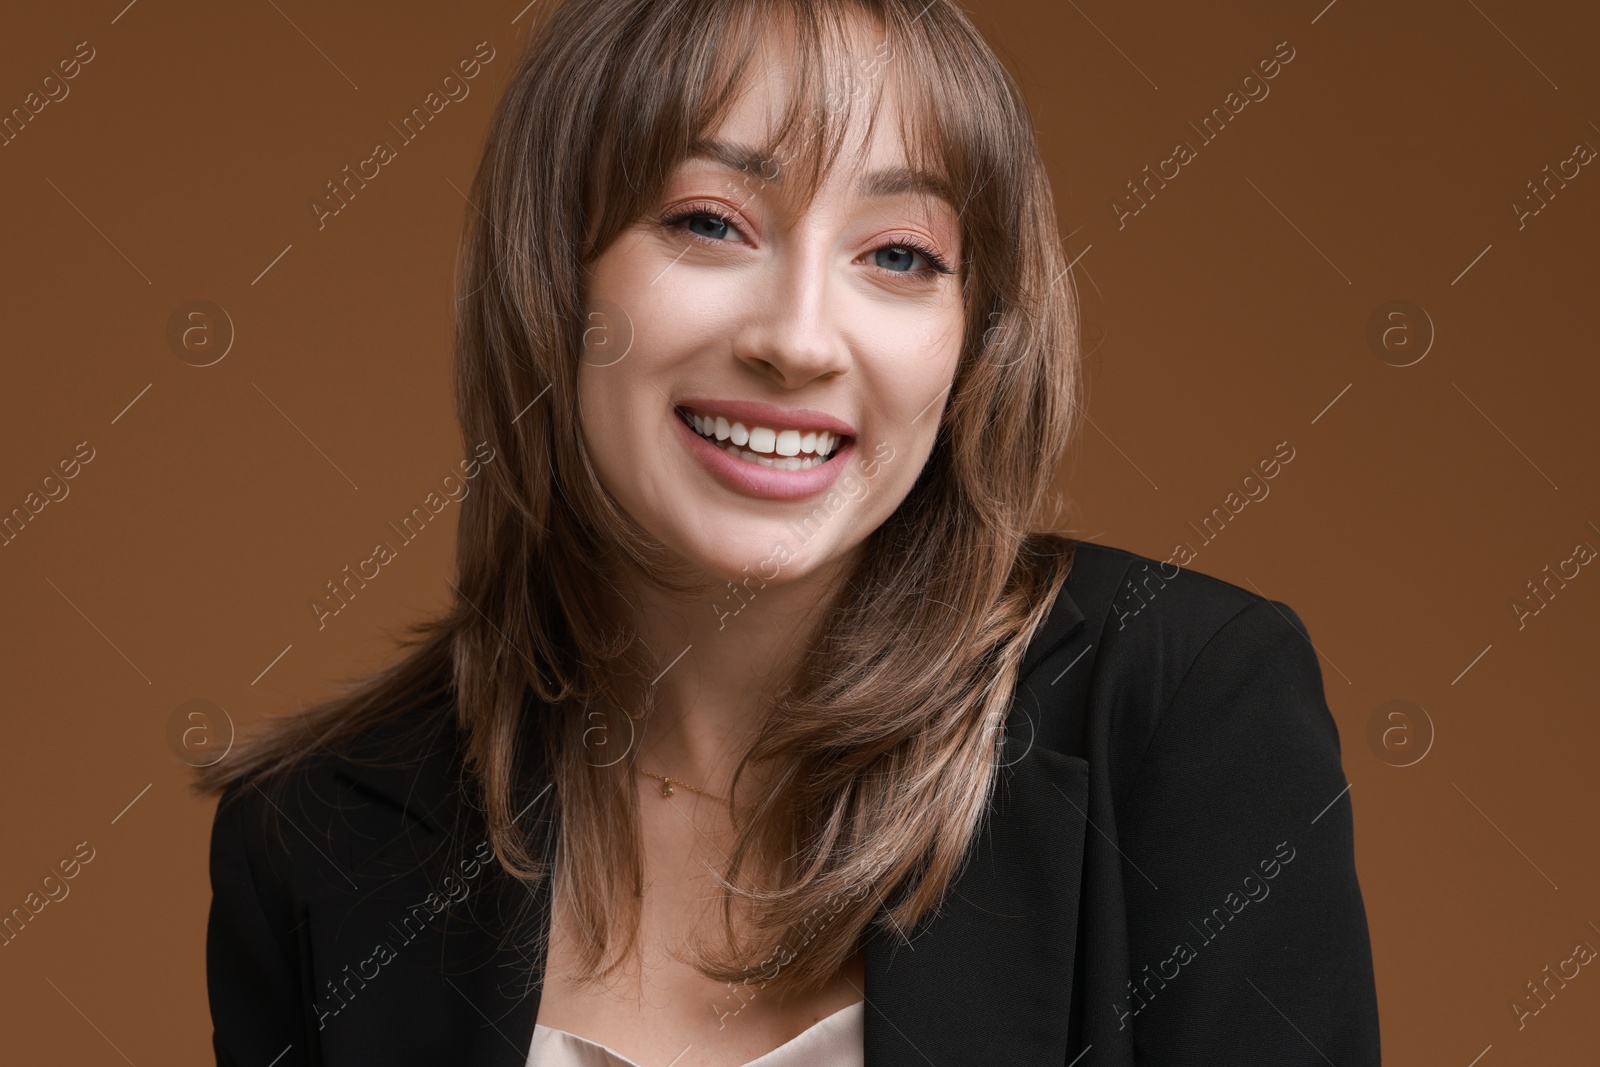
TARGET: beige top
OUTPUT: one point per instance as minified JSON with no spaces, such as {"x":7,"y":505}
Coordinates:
{"x":835,"y":1041}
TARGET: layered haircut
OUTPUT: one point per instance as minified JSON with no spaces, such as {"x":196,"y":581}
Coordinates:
{"x":880,"y":755}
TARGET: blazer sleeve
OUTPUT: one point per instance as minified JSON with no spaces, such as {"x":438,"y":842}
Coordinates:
{"x":1247,"y":933}
{"x":253,"y":973}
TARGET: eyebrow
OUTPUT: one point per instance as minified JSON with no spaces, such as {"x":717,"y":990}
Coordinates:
{"x":890,"y":181}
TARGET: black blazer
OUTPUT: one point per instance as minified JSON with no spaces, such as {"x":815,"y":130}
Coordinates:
{"x":1166,"y":874}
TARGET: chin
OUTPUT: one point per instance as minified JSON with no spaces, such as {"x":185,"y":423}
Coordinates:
{"x":768,"y":554}
{"x":745,"y":576}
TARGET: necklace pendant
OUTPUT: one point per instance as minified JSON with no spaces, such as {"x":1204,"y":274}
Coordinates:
{"x":666,"y":789}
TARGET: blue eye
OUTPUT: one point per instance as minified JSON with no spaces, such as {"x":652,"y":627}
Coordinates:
{"x":896,"y":257}
{"x":710,"y":224}
{"x":711,"y":227}
{"x":703,"y":221}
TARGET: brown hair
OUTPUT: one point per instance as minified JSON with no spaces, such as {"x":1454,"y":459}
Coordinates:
{"x":883,"y":749}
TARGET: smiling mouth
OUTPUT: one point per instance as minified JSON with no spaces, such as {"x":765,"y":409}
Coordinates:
{"x":766,"y":446}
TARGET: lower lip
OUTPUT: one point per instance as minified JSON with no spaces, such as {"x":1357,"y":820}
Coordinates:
{"x":752,"y":479}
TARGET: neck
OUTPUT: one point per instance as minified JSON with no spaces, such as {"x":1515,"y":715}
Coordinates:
{"x":720,"y":666}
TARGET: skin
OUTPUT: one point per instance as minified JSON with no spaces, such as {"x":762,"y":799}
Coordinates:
{"x":817,"y":306}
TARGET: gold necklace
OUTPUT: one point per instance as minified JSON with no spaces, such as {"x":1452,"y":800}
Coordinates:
{"x":667,"y":783}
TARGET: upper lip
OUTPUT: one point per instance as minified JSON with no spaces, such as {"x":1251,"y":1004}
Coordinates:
{"x":755,"y":413}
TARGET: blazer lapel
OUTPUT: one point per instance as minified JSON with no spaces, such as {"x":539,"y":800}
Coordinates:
{"x":492,"y":970}
{"x":988,"y":978}
{"x":470,"y":993}
{"x":494,"y":965}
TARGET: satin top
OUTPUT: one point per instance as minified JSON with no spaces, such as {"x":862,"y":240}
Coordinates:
{"x":835,"y":1041}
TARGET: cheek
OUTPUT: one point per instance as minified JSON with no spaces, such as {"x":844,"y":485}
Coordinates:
{"x":617,"y":433}
{"x":618,"y":349}
{"x":910,"y":379}
{"x":915,"y":375}
{"x":593,"y":407}
{"x":920,"y":388}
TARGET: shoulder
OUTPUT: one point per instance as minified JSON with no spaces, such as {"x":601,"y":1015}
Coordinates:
{"x":391,"y":786}
{"x":1155,"y":616}
{"x":1126,"y":589}
{"x":1214,"y":779}
{"x":1157,"y":640}
{"x":323,"y":871}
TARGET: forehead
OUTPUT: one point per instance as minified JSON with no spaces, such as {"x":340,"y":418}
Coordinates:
{"x":882,"y":173}
{"x":858,"y":105}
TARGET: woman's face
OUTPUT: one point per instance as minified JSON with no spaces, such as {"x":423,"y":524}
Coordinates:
{"x":761,"y":382}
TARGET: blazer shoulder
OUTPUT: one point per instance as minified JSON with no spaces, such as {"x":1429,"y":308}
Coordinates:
{"x":1119,"y":586}
{"x":1134,"y":609}
{"x":1154,"y":611}
{"x":396,"y":778}
{"x":1148,"y":621}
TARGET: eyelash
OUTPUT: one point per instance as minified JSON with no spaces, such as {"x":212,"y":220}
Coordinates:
{"x":937,"y":264}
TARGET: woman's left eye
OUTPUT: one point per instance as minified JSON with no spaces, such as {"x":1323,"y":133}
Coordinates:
{"x":901,"y":259}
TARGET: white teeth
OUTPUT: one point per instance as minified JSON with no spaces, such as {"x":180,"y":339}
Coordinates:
{"x":793,"y":463}
{"x":781,"y":449}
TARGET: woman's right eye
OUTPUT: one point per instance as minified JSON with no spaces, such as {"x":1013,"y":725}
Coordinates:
{"x":703,"y":221}
{"x":709,"y":226}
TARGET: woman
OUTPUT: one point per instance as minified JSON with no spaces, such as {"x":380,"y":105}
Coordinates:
{"x":764,"y":727}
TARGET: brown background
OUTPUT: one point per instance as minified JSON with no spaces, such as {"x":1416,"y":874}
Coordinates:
{"x":1229,"y":315}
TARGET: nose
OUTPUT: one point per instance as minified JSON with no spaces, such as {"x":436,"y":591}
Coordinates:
{"x":791,"y":332}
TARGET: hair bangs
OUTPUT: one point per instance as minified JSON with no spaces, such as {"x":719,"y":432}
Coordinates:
{"x":671,"y":96}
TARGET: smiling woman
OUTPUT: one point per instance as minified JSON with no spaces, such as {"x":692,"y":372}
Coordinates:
{"x":851,"y":371}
